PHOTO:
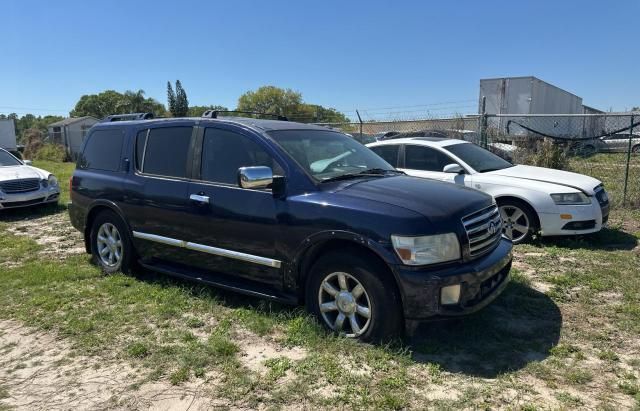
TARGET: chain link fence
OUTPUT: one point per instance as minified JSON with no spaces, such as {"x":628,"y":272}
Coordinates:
{"x":605,"y":146}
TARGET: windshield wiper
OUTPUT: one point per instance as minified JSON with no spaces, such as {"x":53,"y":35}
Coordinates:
{"x":371,"y":172}
{"x":380,"y":171}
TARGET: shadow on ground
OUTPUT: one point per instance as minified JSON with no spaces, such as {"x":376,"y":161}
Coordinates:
{"x":608,"y":239}
{"x":10,"y":215}
{"x":520,"y":327}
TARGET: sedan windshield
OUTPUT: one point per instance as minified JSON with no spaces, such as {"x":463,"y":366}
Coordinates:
{"x":7,"y":159}
{"x":328,"y":155}
{"x":478,"y":158}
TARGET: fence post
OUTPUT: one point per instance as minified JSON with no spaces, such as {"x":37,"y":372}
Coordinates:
{"x":483,"y":123}
{"x":360,"y":121}
{"x":626,"y":173}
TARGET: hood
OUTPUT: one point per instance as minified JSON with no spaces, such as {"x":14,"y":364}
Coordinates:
{"x":549,"y":175}
{"x":20,"y":172}
{"x":436,"y":200}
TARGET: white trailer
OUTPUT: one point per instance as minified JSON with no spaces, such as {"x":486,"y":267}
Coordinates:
{"x":530,"y":95}
{"x":8,"y":134}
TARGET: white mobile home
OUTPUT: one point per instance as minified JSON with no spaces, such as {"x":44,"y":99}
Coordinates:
{"x":71,"y":132}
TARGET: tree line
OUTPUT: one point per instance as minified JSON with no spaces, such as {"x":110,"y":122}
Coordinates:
{"x":266,"y":99}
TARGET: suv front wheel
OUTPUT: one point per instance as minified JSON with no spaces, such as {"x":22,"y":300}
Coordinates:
{"x":110,"y":244}
{"x":355,"y":298}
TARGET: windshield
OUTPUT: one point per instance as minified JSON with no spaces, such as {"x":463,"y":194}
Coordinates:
{"x":7,"y":159}
{"x":327,"y":154}
{"x":478,"y":158}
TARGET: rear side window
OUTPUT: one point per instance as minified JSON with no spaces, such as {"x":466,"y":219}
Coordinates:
{"x":102,"y":151}
{"x":141,"y":142}
{"x":224,"y":152}
{"x":425,"y":158}
{"x":388,"y":152}
{"x":167,"y":151}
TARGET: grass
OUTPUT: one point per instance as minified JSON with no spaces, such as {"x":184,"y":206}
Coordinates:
{"x":610,"y":168}
{"x":561,"y":336}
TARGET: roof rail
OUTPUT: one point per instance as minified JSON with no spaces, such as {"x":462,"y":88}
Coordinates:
{"x":126,"y":117}
{"x":214,"y":114}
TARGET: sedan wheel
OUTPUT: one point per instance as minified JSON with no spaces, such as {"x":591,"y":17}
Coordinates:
{"x":515,"y":222}
{"x":344,"y":304}
{"x":109,"y":244}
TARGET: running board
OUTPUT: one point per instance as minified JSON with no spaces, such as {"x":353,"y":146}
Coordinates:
{"x":217,"y":281}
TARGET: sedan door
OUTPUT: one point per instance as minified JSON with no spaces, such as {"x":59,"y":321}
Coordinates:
{"x":233,"y":230}
{"x":428,"y":162}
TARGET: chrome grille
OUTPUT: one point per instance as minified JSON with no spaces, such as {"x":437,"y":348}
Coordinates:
{"x":484,"y":229}
{"x":20,"y":186}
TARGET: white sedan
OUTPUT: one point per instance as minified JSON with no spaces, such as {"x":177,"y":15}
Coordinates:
{"x":22,"y":185}
{"x":531,"y":199}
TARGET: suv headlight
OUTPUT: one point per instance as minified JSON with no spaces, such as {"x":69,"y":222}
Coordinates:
{"x":53,"y":181}
{"x":428,"y":249}
{"x":570,"y":199}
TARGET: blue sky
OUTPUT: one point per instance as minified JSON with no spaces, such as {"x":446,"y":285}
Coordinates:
{"x":373,"y":55}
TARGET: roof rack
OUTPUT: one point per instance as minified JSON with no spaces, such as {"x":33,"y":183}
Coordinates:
{"x":126,"y":117}
{"x":214,"y":114}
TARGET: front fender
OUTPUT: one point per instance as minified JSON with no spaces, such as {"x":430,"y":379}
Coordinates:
{"x":315,"y":242}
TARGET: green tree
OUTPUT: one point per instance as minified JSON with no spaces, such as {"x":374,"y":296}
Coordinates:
{"x":171,"y":98}
{"x":287,"y":102}
{"x":112,"y":102}
{"x":635,"y":109}
{"x":196,"y":111}
{"x":272,"y":100}
{"x":182,"y":103}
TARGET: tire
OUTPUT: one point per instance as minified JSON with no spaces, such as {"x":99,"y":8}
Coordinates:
{"x":111,"y":246}
{"x":334,"y":281}
{"x":635,"y":149}
{"x":519,"y":220}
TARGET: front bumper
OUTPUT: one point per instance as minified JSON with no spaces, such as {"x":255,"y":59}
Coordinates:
{"x":481,"y":280}
{"x":585,"y":219}
{"x":41,"y":196}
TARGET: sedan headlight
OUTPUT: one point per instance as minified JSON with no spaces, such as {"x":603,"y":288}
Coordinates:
{"x":429,"y":249}
{"x":53,"y":181}
{"x":570,"y":199}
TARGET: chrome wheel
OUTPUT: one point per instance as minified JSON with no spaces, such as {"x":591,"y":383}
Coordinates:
{"x":515,"y":222}
{"x":344,"y":304}
{"x":109,"y":245}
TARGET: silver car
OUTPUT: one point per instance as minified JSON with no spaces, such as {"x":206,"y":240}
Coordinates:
{"x":615,"y":143}
{"x":22,"y":185}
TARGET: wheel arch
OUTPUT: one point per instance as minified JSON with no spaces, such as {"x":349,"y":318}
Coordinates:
{"x":95,"y":209}
{"x":308,"y":256}
{"x":509,"y":197}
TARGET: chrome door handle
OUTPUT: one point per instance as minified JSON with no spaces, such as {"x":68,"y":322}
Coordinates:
{"x":199,"y":199}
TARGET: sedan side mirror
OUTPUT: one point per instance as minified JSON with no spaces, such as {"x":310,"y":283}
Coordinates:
{"x":27,"y":162}
{"x":255,"y":177}
{"x":453,"y":168}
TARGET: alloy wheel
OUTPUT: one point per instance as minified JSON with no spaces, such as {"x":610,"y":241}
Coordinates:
{"x":515,"y":223}
{"x":109,"y":245}
{"x":344,"y":304}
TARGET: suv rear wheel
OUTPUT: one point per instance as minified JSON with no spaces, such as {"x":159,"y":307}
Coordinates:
{"x":110,"y":244}
{"x":353,"y":297}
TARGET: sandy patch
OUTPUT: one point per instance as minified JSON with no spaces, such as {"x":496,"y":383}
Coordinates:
{"x":40,"y":372}
{"x":53,"y":232}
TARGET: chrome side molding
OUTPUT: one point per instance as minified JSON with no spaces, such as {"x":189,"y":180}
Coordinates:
{"x":236,"y":255}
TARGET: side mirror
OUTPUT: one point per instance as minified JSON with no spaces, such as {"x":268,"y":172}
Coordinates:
{"x":255,"y":177}
{"x":27,"y":162}
{"x":453,"y":168}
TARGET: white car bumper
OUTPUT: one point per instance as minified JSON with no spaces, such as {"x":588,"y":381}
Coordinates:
{"x":40,"y":196}
{"x":573,"y":219}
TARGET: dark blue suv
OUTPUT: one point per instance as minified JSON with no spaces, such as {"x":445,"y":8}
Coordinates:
{"x":290,"y":212}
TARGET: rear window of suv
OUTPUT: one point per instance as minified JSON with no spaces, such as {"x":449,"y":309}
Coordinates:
{"x":103,"y":150}
{"x":167,"y":151}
